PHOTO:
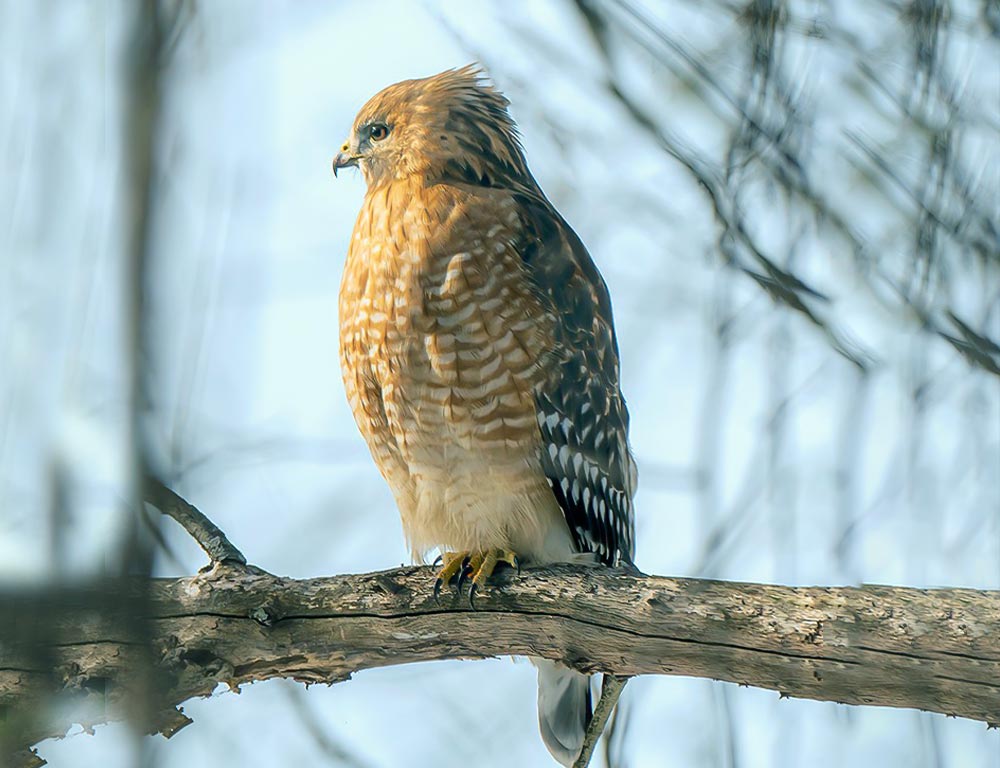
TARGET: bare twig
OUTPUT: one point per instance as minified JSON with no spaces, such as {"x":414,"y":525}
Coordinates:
{"x":611,"y":690}
{"x":208,"y":535}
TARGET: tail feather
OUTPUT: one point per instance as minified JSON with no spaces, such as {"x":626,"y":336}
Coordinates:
{"x":564,"y":709}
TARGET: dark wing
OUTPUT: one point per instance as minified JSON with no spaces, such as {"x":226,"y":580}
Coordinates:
{"x":580,"y":408}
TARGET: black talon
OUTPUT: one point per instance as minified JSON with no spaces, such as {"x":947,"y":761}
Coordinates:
{"x":437,"y":591}
{"x":463,"y":575}
{"x":517,"y":565}
{"x":472,"y":595}
{"x":437,"y":560}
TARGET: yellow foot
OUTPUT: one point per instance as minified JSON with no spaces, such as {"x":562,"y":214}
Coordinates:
{"x":452,"y":564}
{"x":478,"y":565}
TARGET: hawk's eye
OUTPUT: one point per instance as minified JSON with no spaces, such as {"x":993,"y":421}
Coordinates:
{"x":378,"y":131}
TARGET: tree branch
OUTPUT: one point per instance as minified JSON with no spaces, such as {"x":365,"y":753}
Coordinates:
{"x":611,"y":690}
{"x":208,"y":535}
{"x":936,"y":650}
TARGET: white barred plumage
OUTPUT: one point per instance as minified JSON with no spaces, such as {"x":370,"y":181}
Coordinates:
{"x":479,"y":354}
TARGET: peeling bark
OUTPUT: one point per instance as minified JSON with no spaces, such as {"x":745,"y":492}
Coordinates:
{"x":935,"y":650}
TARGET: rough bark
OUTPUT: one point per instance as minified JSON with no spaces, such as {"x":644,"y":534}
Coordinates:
{"x":935,"y":650}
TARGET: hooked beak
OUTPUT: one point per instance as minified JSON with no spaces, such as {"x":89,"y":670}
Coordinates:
{"x":344,"y":159}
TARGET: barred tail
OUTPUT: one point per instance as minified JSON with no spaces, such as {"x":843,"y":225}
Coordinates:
{"x":564,"y":709}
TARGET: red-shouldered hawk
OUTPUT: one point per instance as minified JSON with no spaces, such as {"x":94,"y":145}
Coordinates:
{"x":479,"y":354}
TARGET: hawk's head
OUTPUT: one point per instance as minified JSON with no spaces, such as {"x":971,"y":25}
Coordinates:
{"x":452,"y":126}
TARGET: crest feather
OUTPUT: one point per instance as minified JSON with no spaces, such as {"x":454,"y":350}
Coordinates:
{"x":453,"y":126}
